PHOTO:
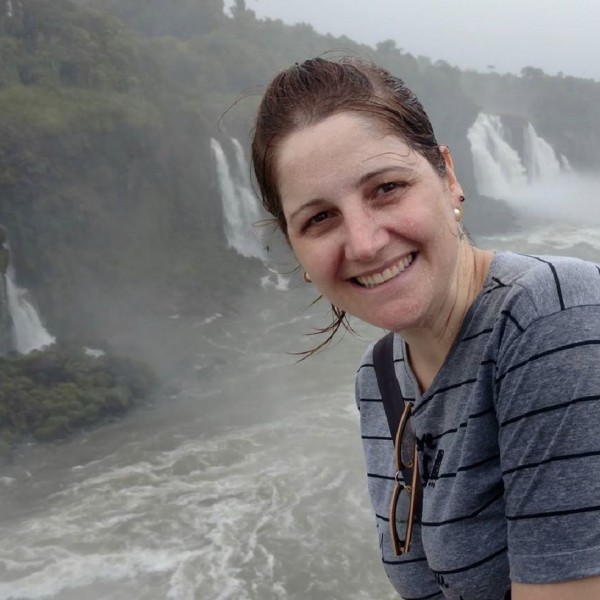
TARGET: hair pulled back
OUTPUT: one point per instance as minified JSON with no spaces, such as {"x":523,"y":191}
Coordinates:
{"x":308,"y":93}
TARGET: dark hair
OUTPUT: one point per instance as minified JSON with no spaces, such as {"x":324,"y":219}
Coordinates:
{"x":306,"y":94}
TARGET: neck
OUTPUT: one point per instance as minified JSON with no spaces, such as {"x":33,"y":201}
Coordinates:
{"x":428,"y":346}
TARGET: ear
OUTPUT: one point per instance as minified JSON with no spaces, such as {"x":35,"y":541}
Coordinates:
{"x":452,"y":183}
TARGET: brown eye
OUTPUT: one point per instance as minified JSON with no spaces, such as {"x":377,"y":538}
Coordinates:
{"x":318,"y":218}
{"x":386,"y":188}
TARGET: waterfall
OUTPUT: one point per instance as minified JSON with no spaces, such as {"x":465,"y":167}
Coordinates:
{"x":500,"y":170}
{"x":498,"y":167}
{"x":6,"y":326}
{"x":28,"y":331}
{"x":540,"y":159}
{"x":242,"y":212}
{"x":534,"y":179}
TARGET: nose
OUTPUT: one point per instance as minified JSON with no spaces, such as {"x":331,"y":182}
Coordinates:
{"x":365,"y":235}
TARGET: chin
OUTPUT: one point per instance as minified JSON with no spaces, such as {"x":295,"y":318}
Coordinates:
{"x":398,"y":319}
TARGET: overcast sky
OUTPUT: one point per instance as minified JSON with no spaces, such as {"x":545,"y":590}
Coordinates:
{"x":555,"y":35}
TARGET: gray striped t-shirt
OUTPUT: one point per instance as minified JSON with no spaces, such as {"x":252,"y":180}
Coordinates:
{"x":508,"y":436}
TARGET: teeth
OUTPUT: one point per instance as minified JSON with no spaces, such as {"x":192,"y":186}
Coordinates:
{"x":375,"y":279}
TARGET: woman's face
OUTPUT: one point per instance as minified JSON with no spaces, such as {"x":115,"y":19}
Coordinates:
{"x":370,"y":220}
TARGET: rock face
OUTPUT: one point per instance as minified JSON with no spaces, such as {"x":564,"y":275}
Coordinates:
{"x":6,"y":343}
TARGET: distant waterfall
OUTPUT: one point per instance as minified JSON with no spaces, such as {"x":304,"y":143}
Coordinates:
{"x":28,"y":331}
{"x":242,"y":212}
{"x":498,"y":167}
{"x":540,"y":159}
{"x":519,"y":166}
{"x":500,"y":170}
{"x":240,"y":208}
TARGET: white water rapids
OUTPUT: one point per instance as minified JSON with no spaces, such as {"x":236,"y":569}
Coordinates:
{"x":248,"y":484}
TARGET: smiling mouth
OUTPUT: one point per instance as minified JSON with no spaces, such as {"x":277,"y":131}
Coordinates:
{"x":375,"y":279}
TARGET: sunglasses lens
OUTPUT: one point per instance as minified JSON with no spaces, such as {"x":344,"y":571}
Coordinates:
{"x":399,"y":518}
{"x":403,"y":501}
{"x":406,"y":452}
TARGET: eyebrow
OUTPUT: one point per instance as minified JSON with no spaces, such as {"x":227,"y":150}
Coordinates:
{"x":404,"y":171}
{"x":383,"y":171}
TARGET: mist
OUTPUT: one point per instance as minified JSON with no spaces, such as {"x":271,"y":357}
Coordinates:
{"x":159,"y":437}
{"x":503,"y":36}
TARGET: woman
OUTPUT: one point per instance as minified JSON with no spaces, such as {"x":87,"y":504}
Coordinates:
{"x":496,"y":355}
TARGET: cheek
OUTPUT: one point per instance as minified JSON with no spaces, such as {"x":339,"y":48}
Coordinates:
{"x":411,"y":227}
{"x":417,"y":224}
{"x":304,"y":252}
{"x":320,"y":262}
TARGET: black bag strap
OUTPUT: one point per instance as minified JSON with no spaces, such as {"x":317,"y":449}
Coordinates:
{"x":393,"y":401}
{"x":391,"y":394}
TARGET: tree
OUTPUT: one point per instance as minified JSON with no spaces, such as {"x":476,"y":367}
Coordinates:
{"x":532,"y":73}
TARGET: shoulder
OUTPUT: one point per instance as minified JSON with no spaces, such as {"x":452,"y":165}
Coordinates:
{"x":540,"y":286}
{"x":366,"y":378}
{"x":366,"y":381}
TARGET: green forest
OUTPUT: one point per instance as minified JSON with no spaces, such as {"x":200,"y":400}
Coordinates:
{"x":47,"y":395}
{"x":108,"y":189}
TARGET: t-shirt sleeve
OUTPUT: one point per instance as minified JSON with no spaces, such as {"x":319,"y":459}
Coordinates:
{"x":547,"y":394}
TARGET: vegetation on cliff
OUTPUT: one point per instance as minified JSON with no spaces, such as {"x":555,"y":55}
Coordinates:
{"x":49,"y":394}
{"x":107,"y":179}
{"x":107,"y":182}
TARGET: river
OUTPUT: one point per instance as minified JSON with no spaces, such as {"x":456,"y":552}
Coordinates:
{"x":245,"y":483}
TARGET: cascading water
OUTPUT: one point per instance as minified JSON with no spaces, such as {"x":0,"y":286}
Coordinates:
{"x":240,"y":208}
{"x":28,"y":331}
{"x":535,"y":180}
{"x":241,"y":211}
{"x":498,"y":167}
{"x":6,"y":326}
{"x":541,"y":161}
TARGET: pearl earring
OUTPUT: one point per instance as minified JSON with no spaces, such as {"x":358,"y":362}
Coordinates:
{"x":307,"y":278}
{"x":458,"y":213}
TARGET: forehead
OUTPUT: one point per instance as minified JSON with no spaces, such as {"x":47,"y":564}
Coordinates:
{"x":342,"y":147}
